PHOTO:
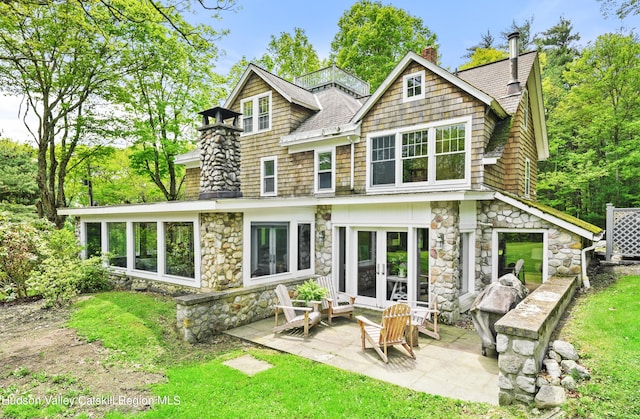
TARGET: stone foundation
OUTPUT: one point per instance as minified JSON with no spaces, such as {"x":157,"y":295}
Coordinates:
{"x":221,"y":238}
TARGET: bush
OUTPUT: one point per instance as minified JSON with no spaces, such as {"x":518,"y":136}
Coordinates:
{"x":311,"y":291}
{"x":21,"y":249}
{"x":94,"y":276}
{"x":57,"y":281}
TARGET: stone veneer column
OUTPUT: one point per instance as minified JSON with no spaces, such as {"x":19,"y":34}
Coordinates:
{"x":323,"y":248}
{"x":219,"y":161}
{"x":221,"y":238}
{"x":445,"y":269}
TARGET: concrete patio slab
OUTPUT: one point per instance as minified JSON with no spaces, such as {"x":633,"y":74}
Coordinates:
{"x":451,"y":367}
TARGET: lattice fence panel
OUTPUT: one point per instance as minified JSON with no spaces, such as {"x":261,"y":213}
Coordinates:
{"x":626,"y":231}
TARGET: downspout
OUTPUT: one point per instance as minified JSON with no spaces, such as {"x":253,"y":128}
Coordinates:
{"x":352,"y":163}
{"x":585,"y":278}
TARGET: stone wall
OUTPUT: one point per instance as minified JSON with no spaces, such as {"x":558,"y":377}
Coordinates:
{"x":563,"y":250}
{"x":221,"y":240}
{"x":323,"y":247}
{"x":201,"y":316}
{"x":445,"y":270}
{"x":123,"y":281}
{"x":523,"y":336}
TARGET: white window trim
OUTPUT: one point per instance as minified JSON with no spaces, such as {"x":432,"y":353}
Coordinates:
{"x":527,"y":177}
{"x":256,"y":112}
{"x":431,"y":184}
{"x":293,"y":218}
{"x":316,"y":170}
{"x":155,"y":276}
{"x":405,"y":87}
{"x":525,"y":110}
{"x":275,"y":176}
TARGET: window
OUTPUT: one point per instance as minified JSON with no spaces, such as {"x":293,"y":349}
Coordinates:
{"x":179,"y":245}
{"x":268,"y":174}
{"x":428,"y":155}
{"x":324,"y":171}
{"x":256,"y":113}
{"x":413,"y":86}
{"x":269,"y":248}
{"x":527,"y":177}
{"x":450,"y":152}
{"x":93,"y":239}
{"x":383,"y":155}
{"x":304,"y":246}
{"x":117,"y":242}
{"x":146,"y":241}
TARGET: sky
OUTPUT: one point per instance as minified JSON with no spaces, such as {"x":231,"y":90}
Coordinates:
{"x":458,"y":25}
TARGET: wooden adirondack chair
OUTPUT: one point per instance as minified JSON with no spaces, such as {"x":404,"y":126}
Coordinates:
{"x":424,"y":317}
{"x":307,"y":318}
{"x":336,"y":303}
{"x":395,"y":320}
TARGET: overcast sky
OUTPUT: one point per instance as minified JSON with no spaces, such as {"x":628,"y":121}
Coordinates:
{"x":458,"y":25}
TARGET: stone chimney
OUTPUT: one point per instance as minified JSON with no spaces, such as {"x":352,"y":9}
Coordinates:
{"x":513,"y":87}
{"x":219,"y":154}
{"x":430,"y":54}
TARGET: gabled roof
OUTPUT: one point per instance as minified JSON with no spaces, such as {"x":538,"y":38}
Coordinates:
{"x":554,"y":216}
{"x":288,"y":90}
{"x":493,"y":79}
{"x":460,"y":83}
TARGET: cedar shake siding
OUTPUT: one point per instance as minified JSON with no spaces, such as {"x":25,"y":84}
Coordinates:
{"x":192,"y":184}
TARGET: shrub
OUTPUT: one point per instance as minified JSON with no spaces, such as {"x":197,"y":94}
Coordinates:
{"x":311,"y":291}
{"x":21,"y":247}
{"x":94,"y":276}
{"x":57,"y":281}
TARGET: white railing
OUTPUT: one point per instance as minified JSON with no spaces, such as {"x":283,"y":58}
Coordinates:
{"x":333,"y":75}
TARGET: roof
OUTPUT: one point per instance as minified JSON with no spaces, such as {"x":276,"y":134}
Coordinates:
{"x":457,"y":81}
{"x":291,"y":92}
{"x":554,"y":216}
{"x":338,"y":108}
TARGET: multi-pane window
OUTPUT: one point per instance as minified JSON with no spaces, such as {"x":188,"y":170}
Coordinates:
{"x":179,"y":249}
{"x":415,"y":156}
{"x":256,"y":113}
{"x":146,"y":242}
{"x":450,"y":152}
{"x":117,"y":244}
{"x":413,"y":86}
{"x":429,"y":154}
{"x":383,"y":160}
{"x":324,"y":170}
{"x":263,"y":115}
{"x":247,"y":116}
{"x":268,"y":175}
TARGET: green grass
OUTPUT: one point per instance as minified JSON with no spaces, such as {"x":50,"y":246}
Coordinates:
{"x":139,"y":327}
{"x":604,"y":328}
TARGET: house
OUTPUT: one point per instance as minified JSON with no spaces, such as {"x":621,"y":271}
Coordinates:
{"x":433,"y":173}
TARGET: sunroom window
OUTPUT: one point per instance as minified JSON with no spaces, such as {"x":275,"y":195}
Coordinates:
{"x":269,"y":248}
{"x":146,"y":241}
{"x":179,"y":249}
{"x":93,"y":239}
{"x":117,"y":244}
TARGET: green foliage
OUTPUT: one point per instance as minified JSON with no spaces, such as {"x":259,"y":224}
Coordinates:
{"x":21,"y":248}
{"x":373,"y":37}
{"x":93,"y":276}
{"x":56,"y":281}
{"x":310,"y":290}
{"x":18,"y":174}
{"x":292,"y":56}
{"x":484,"y":56}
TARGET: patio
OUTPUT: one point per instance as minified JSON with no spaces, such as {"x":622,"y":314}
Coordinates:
{"x":451,"y":367}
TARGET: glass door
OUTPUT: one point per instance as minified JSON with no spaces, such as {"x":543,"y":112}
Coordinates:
{"x":382,"y":268}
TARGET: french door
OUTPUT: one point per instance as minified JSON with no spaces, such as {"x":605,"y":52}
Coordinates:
{"x":381,"y":265}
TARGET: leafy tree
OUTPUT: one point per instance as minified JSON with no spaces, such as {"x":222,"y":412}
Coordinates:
{"x":21,"y":247}
{"x":372,"y":38}
{"x":526,"y":40}
{"x":484,"y":56}
{"x":594,"y":132}
{"x":558,"y":42}
{"x":622,"y":9}
{"x":65,"y":58}
{"x":486,"y":42}
{"x":18,"y":174}
{"x":291,"y":56}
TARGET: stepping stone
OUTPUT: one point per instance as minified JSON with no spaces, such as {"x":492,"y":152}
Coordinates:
{"x":248,"y":365}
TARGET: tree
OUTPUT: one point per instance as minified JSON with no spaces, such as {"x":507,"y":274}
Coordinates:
{"x":484,"y":56}
{"x":65,"y":58}
{"x":558,"y":42}
{"x":486,"y":42}
{"x":622,"y":9}
{"x":594,"y":132}
{"x":18,"y":174}
{"x":291,"y":56}
{"x":525,"y":35}
{"x":372,"y":38}
{"x":164,"y":99}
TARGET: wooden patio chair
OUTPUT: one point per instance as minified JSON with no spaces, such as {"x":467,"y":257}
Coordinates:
{"x":307,"y":318}
{"x":424,"y":317}
{"x":337,"y":303}
{"x":395,"y":320}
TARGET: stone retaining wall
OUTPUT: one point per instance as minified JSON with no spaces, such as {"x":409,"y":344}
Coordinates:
{"x":523,"y":336}
{"x":201,"y":316}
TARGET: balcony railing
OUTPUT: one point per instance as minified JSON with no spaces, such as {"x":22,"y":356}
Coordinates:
{"x":333,"y":76}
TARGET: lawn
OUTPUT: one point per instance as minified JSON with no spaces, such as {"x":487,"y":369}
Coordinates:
{"x":140,"y":330}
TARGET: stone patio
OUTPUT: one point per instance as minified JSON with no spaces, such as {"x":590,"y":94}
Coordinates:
{"x":451,"y":367}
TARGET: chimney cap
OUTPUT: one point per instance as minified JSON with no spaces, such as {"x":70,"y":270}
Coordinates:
{"x":220,"y":114}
